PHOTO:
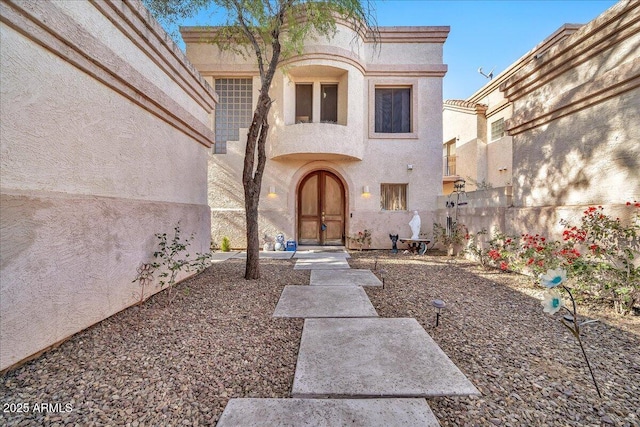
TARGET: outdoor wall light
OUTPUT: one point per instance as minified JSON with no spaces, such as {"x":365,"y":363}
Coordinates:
{"x":272,"y":191}
{"x":438,"y":304}
{"x":365,"y":190}
{"x":409,"y":167}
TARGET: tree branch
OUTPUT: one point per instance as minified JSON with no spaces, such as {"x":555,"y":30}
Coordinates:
{"x":250,"y":35}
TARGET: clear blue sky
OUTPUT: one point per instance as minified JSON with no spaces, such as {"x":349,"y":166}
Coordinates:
{"x":487,"y":34}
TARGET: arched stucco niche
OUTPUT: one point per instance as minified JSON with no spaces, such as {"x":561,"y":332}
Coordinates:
{"x":311,"y":167}
{"x":317,"y":78}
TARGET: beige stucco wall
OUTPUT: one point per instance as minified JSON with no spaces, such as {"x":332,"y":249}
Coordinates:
{"x":575,"y":134}
{"x":350,"y":149}
{"x":97,"y":156}
{"x":574,"y":127}
{"x":459,"y":124}
{"x":500,"y":162}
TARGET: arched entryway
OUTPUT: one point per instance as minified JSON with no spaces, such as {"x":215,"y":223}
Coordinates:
{"x":321,"y":209}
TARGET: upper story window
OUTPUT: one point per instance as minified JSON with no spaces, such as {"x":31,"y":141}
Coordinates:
{"x":329,"y":103}
{"x":304,"y":103}
{"x":497,"y":129}
{"x":449,"y":166}
{"x":234,"y":110}
{"x":393,"y":110}
{"x":393,"y":197}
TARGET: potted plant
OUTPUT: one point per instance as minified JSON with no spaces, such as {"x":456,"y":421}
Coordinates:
{"x":452,"y":239}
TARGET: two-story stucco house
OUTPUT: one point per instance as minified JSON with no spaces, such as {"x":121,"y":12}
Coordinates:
{"x":355,"y":139}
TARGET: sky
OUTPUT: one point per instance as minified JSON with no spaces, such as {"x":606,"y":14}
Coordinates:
{"x":488,"y":34}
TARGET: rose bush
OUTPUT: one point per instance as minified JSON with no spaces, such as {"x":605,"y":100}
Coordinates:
{"x":609,"y":267}
{"x":602,"y":253}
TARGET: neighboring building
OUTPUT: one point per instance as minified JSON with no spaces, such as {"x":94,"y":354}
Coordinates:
{"x":476,"y":146}
{"x":557,"y":131}
{"x":355,"y":138}
{"x":104,"y":138}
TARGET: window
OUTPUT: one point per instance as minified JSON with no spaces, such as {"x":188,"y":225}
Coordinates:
{"x":393,"y":110}
{"x":329,"y":103}
{"x":393,"y":197}
{"x":497,"y":129}
{"x":449,"y":168}
{"x":234,"y":110}
{"x":304,"y":103}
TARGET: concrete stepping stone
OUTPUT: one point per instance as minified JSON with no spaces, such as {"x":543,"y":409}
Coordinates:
{"x":269,"y":255}
{"x":320,"y":254}
{"x":324,"y":301}
{"x":373,"y":357}
{"x":222,"y":256}
{"x":322,"y":263}
{"x":349,"y":277}
{"x":328,"y":413}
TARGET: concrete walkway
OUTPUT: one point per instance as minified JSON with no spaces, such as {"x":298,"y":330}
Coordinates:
{"x":324,"y":301}
{"x":328,"y":413}
{"x":346,"y":358}
{"x":331,"y":277}
{"x":347,"y":352}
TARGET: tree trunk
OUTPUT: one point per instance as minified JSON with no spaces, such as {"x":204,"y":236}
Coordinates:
{"x":256,"y":140}
{"x":252,"y":268}
{"x":252,"y":182}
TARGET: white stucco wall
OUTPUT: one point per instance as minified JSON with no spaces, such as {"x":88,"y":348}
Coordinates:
{"x":96,"y":157}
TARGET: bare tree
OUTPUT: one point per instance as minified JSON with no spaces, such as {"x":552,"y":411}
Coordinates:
{"x":270,"y":31}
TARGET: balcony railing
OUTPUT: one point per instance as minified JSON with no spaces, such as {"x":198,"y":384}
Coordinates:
{"x":449,"y":166}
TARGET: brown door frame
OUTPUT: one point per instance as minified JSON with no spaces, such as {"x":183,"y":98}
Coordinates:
{"x":321,"y":196}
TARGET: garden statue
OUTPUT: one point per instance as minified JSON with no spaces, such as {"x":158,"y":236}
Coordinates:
{"x":394,"y":243}
{"x":268,"y":243}
{"x":415,"y":226}
{"x":280,"y":246}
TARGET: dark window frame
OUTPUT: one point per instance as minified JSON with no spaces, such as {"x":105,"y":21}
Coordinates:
{"x":329,"y":103}
{"x":393,"y":110}
{"x":304,"y":102}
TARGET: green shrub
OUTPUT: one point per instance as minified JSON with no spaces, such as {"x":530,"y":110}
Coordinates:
{"x":226,"y":244}
{"x":171,"y":258}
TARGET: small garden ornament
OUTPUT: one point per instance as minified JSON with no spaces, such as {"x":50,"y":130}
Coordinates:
{"x":552,"y":303}
{"x":394,"y":243}
{"x":268,"y":243}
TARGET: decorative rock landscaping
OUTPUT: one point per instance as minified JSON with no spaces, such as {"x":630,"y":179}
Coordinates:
{"x":159,"y":365}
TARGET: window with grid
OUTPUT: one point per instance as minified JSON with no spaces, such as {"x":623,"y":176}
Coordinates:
{"x":234,"y":110}
{"x":393,"y":197}
{"x":393,"y":110}
{"x":497,"y":129}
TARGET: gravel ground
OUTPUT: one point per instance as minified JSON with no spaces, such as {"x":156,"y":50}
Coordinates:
{"x":179,"y":365}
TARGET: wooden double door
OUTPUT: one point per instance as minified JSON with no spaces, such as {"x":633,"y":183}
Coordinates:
{"x":321,"y":209}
